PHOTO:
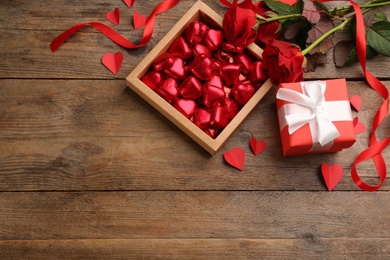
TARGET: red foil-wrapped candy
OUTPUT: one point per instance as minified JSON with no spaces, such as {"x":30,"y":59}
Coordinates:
{"x":152,"y":79}
{"x":177,"y":70}
{"x":164,"y":61}
{"x":232,"y":48}
{"x":180,"y":48}
{"x":202,"y":67}
{"x":195,"y":32}
{"x":258,"y":76}
{"x":245,"y":62}
{"x":201,"y":118}
{"x":219,"y":118}
{"x":243,"y":91}
{"x":213,"y":39}
{"x":200,"y":48}
{"x":185,"y":106}
{"x":168,"y":90}
{"x":212,"y":95}
{"x":223,"y":56}
{"x":231,"y":106}
{"x":229,"y":73}
{"x":215,"y":81}
{"x":191,"y":88}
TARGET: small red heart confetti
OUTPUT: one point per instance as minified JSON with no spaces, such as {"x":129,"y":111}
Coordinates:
{"x":332,"y":174}
{"x":358,"y":127}
{"x":112,"y":61}
{"x":138,"y":20}
{"x":113,"y":16}
{"x":356,"y":102}
{"x":258,"y":146}
{"x":235,"y":157}
{"x":129,"y":3}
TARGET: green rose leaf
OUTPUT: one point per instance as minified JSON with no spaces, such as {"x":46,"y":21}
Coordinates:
{"x":381,"y":16}
{"x":344,"y":53}
{"x":321,"y":6}
{"x":378,"y":37}
{"x":285,"y":9}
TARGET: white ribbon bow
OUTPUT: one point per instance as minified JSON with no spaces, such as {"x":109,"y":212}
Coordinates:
{"x":312,"y":101}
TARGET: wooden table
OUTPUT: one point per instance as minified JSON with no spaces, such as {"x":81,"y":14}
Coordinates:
{"x":88,"y":169}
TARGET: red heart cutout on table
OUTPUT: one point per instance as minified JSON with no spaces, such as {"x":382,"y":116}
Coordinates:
{"x":113,"y":16}
{"x":138,"y":20}
{"x":258,"y":146}
{"x":356,"y":102}
{"x":332,"y":174}
{"x":235,"y":157}
{"x":113,"y":61}
{"x":358,"y":127}
{"x":129,"y":3}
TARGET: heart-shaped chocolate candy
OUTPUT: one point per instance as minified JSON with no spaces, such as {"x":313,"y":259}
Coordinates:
{"x":191,"y":88}
{"x":243,"y":91}
{"x":180,"y":48}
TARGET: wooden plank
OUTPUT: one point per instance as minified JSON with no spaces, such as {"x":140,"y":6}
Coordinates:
{"x":193,"y":215}
{"x":302,"y":248}
{"x":91,"y":135}
{"x":25,"y":40}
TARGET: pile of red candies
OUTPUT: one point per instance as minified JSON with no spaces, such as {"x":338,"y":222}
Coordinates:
{"x":205,"y":78}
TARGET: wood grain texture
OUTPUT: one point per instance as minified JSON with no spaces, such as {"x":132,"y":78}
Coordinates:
{"x":27,"y":30}
{"x":99,"y":135}
{"x":193,"y":215}
{"x":302,"y":248}
{"x":88,"y":170}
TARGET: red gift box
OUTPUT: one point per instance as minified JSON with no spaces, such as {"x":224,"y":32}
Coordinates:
{"x":314,"y":117}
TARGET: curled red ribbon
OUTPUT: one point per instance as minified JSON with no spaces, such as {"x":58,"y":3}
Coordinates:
{"x":114,"y":35}
{"x":375,"y":148}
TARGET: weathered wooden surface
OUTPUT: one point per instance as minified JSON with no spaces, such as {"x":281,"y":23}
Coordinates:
{"x":89,"y":170}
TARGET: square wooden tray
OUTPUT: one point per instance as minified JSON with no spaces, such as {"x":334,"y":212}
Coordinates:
{"x":200,"y":12}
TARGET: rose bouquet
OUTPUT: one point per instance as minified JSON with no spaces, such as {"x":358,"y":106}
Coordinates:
{"x":296,"y":34}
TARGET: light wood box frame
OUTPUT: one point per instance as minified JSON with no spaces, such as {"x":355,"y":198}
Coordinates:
{"x":200,"y":12}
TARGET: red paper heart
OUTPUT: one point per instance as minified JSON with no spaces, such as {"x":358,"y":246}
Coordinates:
{"x":332,"y":174}
{"x":235,"y":157}
{"x":138,"y":20}
{"x":358,"y":127}
{"x":113,"y":16}
{"x":113,"y":61}
{"x":356,"y":102}
{"x":129,"y":3}
{"x":258,"y":146}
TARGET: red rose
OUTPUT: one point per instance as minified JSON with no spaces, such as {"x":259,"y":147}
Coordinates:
{"x":266,"y":32}
{"x":283,"y":62}
{"x":238,"y":22}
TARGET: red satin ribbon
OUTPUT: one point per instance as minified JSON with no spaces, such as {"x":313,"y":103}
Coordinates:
{"x":114,"y":35}
{"x":375,"y":148}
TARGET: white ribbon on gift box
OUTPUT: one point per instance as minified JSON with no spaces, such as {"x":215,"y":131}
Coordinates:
{"x":310,"y":107}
